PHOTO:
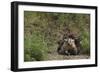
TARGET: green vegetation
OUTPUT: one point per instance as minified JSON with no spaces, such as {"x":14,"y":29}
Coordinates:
{"x":42,"y":30}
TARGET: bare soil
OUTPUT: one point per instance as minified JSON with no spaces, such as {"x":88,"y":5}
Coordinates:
{"x":55,"y":56}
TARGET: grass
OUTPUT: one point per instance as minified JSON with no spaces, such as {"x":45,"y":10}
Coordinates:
{"x":42,"y":30}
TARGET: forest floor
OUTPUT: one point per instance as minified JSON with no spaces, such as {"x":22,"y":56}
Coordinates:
{"x":53,"y":55}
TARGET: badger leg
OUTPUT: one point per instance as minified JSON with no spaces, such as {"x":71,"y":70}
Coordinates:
{"x":60,"y":50}
{"x":67,"y":53}
{"x":75,"y":51}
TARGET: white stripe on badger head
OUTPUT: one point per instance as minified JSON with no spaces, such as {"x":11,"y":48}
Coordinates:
{"x":71,"y":42}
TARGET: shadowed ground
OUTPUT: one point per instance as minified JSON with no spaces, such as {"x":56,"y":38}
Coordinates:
{"x":55,"y":56}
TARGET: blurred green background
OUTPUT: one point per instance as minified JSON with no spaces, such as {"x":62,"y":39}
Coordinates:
{"x":42,"y":30}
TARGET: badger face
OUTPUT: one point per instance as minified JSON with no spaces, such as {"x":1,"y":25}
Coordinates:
{"x":69,"y":46}
{"x":71,"y":42}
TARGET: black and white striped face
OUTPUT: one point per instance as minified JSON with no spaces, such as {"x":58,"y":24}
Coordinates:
{"x":70,"y":42}
{"x":69,"y":45}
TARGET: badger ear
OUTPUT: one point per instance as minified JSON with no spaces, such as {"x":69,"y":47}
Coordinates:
{"x":66,"y":40}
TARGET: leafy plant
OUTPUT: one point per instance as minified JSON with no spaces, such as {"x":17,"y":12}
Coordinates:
{"x":42,"y":30}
